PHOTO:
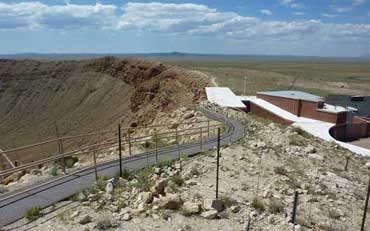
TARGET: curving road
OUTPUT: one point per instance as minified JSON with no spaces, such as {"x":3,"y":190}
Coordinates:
{"x":13,"y":207}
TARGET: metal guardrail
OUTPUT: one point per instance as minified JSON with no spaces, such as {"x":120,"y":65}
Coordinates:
{"x":108,"y":142}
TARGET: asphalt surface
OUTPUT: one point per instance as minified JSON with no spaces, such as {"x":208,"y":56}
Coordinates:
{"x":14,"y":207}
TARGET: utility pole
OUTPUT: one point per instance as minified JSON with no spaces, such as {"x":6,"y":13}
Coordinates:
{"x":245,"y":85}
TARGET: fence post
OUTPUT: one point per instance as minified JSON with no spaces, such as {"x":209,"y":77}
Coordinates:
{"x":208,"y":128}
{"x":218,"y":161}
{"x":346,"y":167}
{"x":129,"y":142}
{"x":156,"y":147}
{"x":294,"y":212}
{"x":365,"y":209}
{"x":60,"y":147}
{"x":95,"y":167}
{"x":120,"y":149}
{"x":41,"y":146}
{"x":201,"y":140}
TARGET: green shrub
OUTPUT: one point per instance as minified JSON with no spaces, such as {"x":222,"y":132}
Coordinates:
{"x":164,"y":163}
{"x":301,"y":132}
{"x":54,"y":170}
{"x":281,"y":171}
{"x":33,"y":213}
{"x":177,"y":180}
{"x":126,"y":174}
{"x":143,"y":179}
{"x":3,"y":189}
{"x":101,"y":182}
{"x":70,"y":161}
{"x":296,"y":141}
{"x":258,"y":204}
{"x":275,"y":206}
{"x":227,"y":201}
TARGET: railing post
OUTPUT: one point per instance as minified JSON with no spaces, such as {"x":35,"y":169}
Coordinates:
{"x":60,"y":147}
{"x":346,"y":166}
{"x":218,"y":161}
{"x":294,"y":212}
{"x":129,"y":142}
{"x":201,"y":139}
{"x":120,"y":149}
{"x":366,"y":206}
{"x":208,"y":128}
{"x":95,"y":167}
{"x":156,"y":147}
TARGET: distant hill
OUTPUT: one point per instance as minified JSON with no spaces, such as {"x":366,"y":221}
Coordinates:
{"x":168,"y":55}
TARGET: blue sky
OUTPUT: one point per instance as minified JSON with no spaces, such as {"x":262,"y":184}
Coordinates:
{"x":271,"y":27}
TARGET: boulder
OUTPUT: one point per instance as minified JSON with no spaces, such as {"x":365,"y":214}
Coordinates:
{"x":235,"y":209}
{"x":170,"y":201}
{"x":191,"y":208}
{"x":210,"y":214}
{"x":126,"y":217}
{"x":85,"y":219}
{"x":159,"y":187}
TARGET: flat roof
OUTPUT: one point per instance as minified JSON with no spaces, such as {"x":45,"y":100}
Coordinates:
{"x":293,"y":95}
{"x":223,"y":97}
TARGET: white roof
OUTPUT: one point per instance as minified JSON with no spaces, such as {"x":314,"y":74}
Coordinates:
{"x":293,"y":95}
{"x":223,"y":97}
{"x":315,"y":127}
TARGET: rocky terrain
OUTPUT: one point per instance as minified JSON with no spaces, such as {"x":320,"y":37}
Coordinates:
{"x":258,"y":178}
{"x":41,"y":99}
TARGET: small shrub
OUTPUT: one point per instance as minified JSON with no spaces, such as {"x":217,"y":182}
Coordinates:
{"x":227,"y":201}
{"x":276,"y":206}
{"x":164,"y":163}
{"x":143,"y":180}
{"x":296,"y":141}
{"x":281,"y":171}
{"x":125,"y":174}
{"x":101,"y":182}
{"x":301,"y":132}
{"x":258,"y":204}
{"x":3,"y":189}
{"x":54,"y":170}
{"x":70,"y":161}
{"x":333,"y":214}
{"x":178,"y":180}
{"x":33,"y":213}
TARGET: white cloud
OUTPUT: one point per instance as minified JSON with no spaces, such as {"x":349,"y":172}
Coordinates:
{"x":298,"y":13}
{"x":34,"y":15}
{"x":266,"y":12}
{"x":292,"y":4}
{"x":359,"y":2}
{"x":343,"y":9}
{"x":174,"y":19}
{"x":329,"y":15}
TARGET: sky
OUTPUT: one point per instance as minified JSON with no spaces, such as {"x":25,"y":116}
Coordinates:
{"x":330,"y":28}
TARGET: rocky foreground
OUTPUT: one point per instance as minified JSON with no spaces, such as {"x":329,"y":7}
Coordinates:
{"x":258,"y":178}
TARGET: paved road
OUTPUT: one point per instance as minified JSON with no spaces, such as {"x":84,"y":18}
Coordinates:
{"x":14,"y":207}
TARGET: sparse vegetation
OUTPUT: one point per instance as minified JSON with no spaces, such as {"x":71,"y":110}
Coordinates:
{"x":258,"y":204}
{"x":33,"y":213}
{"x":178,"y":180}
{"x":276,"y":206}
{"x":280,"y":170}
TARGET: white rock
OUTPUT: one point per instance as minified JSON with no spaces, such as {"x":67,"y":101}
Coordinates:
{"x":210,"y":214}
{"x":126,"y":217}
{"x":75,"y":214}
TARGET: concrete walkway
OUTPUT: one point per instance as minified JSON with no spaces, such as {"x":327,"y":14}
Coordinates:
{"x":13,"y":207}
{"x":317,"y":128}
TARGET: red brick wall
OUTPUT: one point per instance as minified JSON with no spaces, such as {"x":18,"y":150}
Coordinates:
{"x":290,"y":105}
{"x":261,"y":112}
{"x":304,"y":108}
